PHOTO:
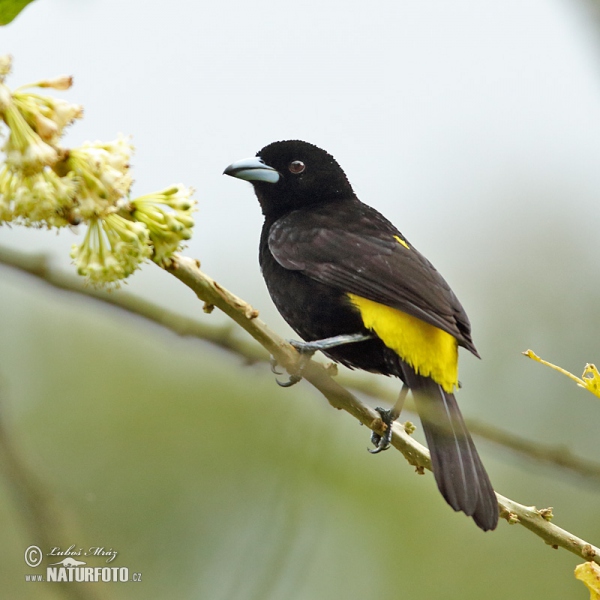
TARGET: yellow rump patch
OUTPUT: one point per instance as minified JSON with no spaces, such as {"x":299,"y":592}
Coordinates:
{"x":430,"y":351}
{"x":401,"y":241}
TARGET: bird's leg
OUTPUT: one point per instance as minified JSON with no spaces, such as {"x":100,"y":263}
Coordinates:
{"x":382,"y":442}
{"x":337,"y":340}
{"x":307,"y":349}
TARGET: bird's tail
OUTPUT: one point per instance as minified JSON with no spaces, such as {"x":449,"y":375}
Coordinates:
{"x":458,"y":470}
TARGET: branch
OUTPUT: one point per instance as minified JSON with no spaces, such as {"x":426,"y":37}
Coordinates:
{"x":209,"y":291}
{"x":38,"y":265}
{"x":556,"y":455}
{"x":224,"y":336}
{"x":213,"y":295}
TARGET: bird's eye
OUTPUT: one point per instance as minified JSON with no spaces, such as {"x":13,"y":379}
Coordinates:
{"x":296,"y":167}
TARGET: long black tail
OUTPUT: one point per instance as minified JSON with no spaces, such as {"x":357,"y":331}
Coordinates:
{"x":458,"y":470}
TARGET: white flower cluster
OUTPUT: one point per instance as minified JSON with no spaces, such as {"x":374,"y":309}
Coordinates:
{"x":167,"y":228}
{"x":45,"y":185}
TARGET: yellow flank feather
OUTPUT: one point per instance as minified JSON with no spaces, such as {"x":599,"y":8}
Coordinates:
{"x":401,"y":241}
{"x":430,"y":351}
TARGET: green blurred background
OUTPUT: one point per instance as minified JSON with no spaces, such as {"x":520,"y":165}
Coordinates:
{"x":476,"y":129}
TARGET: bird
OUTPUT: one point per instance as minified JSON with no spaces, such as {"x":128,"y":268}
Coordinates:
{"x":351,"y":285}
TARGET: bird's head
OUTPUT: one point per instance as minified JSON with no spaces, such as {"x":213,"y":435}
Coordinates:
{"x":292,"y":174}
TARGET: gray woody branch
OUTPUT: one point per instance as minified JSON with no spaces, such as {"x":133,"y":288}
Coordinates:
{"x":209,"y":291}
{"x":213,"y":295}
{"x":225,"y":336}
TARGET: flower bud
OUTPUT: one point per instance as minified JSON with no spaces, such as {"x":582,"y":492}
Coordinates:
{"x":64,"y":82}
{"x":5,"y":65}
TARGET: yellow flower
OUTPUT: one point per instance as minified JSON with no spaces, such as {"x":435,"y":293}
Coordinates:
{"x":25,"y":150}
{"x":45,"y":185}
{"x":43,"y":199}
{"x":102,"y":170}
{"x":112,"y":250}
{"x":168,"y":229}
{"x":47,"y":116}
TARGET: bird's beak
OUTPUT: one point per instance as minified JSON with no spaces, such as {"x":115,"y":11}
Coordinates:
{"x":252,"y":169}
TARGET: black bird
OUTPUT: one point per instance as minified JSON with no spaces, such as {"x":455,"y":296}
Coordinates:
{"x":345,"y":278}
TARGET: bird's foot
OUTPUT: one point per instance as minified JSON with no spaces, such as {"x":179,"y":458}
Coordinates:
{"x":382,"y":442}
{"x":293,"y":379}
{"x":307,"y":349}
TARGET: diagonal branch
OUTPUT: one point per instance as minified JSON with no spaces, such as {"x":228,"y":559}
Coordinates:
{"x":213,"y":295}
{"x":225,"y":336}
{"x":209,"y":291}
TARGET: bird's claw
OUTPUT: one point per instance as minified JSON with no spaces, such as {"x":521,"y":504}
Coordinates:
{"x":382,"y":442}
{"x":293,"y":380}
{"x":273,"y":363}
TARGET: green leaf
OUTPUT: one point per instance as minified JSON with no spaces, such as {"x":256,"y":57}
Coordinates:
{"x":9,"y":9}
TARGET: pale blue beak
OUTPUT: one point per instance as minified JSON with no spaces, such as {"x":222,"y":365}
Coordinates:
{"x":252,"y":169}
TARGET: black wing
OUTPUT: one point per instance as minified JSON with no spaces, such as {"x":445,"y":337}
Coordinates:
{"x":352,"y":247}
